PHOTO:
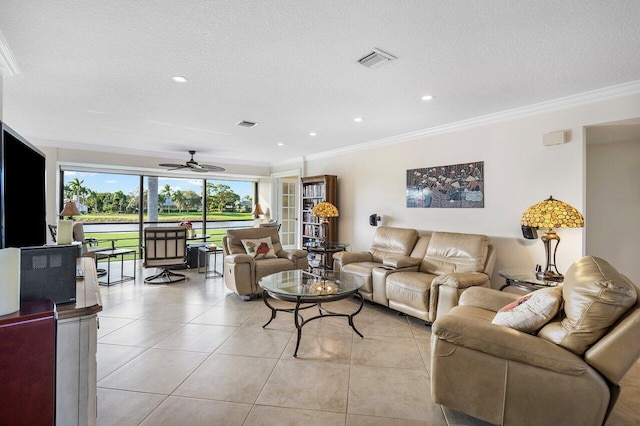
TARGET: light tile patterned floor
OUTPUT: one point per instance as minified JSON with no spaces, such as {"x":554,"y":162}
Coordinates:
{"x":194,"y":353}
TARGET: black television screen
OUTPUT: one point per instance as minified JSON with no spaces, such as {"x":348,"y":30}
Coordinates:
{"x":22,"y":192}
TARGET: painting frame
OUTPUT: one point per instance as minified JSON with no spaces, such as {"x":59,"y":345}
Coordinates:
{"x":452,"y":186}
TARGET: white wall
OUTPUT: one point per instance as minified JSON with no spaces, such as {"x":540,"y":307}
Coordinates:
{"x":1,"y":96}
{"x":613,"y":202}
{"x":51,"y":177}
{"x":519,"y":172}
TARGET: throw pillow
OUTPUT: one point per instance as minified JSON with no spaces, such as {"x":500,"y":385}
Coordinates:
{"x":260,"y":248}
{"x":529,"y":313}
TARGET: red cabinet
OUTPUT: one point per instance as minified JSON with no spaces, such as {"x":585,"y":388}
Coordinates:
{"x":28,"y":364}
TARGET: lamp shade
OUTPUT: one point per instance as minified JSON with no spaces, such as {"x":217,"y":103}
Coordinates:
{"x":70,"y":209}
{"x":325,"y":209}
{"x":257,"y":210}
{"x":552,"y":213}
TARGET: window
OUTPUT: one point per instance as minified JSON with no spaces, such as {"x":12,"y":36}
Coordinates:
{"x":112,"y":209}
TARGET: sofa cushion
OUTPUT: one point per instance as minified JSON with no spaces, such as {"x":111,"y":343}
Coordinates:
{"x":259,"y":248}
{"x":530,"y":312}
{"x":595,"y":296}
{"x":452,"y":252}
{"x":362,"y":269}
{"x":271,"y":266}
{"x":389,"y":241}
{"x":410,"y":288}
{"x":234,"y":239}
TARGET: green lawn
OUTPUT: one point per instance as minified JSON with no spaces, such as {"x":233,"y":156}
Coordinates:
{"x":163,"y":217}
{"x":130,"y":240}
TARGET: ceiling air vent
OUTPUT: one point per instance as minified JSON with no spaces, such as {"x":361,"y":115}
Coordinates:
{"x":376,"y":59}
{"x":245,"y":123}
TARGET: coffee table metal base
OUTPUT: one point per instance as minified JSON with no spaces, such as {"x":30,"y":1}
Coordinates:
{"x":310,"y":302}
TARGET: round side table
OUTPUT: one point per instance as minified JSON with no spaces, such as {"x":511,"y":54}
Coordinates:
{"x":524,"y":280}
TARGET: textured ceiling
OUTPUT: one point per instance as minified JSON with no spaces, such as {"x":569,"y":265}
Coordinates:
{"x":96,"y":74}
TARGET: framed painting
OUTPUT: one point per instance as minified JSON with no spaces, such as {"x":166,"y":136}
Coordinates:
{"x":452,"y":186}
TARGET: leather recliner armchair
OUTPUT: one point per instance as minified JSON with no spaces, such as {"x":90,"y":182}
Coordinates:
{"x":242,"y":272}
{"x":451,"y":263}
{"x":394,"y":244}
{"x":567,"y":373}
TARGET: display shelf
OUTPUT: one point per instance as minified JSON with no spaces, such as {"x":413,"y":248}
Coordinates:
{"x":316,"y":189}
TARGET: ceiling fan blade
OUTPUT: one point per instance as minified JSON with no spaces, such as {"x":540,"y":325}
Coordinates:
{"x":193,"y":165}
{"x":210,"y":168}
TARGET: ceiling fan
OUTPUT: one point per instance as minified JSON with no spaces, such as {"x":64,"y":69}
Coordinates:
{"x":193,"y":165}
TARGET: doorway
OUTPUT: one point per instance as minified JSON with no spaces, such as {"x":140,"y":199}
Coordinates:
{"x":612,"y":195}
{"x":288,"y":190}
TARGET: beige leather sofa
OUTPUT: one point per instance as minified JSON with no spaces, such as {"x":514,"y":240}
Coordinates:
{"x":394,"y":244}
{"x":422,"y":276}
{"x":566,"y":374}
{"x":242,"y":272}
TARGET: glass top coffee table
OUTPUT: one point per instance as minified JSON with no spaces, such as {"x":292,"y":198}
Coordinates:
{"x":308,"y":291}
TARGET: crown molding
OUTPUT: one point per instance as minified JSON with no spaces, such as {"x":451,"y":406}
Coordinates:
{"x":8,"y":64}
{"x":294,"y":161}
{"x":129,"y":151}
{"x":586,"y":98}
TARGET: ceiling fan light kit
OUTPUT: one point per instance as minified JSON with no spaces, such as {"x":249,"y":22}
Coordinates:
{"x":193,"y":165}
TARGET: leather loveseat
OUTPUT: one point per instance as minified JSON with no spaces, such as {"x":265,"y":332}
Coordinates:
{"x":565,"y":373}
{"x":242,"y":271}
{"x":422,"y":276}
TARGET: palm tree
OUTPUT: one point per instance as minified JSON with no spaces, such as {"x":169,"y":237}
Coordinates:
{"x":167,"y":193}
{"x":77,"y":188}
{"x":179,"y":199}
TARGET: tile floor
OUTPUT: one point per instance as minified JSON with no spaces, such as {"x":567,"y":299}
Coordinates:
{"x":194,"y":353}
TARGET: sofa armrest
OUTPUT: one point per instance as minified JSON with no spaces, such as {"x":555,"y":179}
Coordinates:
{"x":461,"y":327}
{"x":461,"y":280}
{"x":239,"y":258}
{"x":446,"y":290}
{"x":401,"y":261}
{"x":292,"y":255}
{"x":487,"y":298}
{"x":346,"y":257}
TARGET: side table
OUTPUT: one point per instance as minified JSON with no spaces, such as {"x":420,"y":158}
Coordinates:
{"x":109,"y":254}
{"x":524,"y":280}
{"x":325,"y":252}
{"x":208,"y":251}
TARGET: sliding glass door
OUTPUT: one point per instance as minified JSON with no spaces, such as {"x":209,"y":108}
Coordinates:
{"x":116,"y":207}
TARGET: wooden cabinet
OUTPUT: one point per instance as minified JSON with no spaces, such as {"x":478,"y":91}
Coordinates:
{"x":316,"y":189}
{"x":48,"y":358}
{"x":28,"y":364}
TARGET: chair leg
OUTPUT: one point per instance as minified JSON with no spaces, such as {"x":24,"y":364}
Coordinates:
{"x":166,"y":276}
{"x":248,"y":297}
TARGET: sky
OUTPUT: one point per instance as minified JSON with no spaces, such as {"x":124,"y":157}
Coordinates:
{"x":106,"y":182}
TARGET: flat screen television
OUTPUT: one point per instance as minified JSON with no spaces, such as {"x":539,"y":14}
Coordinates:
{"x":23,"y":220}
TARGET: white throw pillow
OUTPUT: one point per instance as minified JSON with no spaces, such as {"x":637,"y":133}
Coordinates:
{"x":529,"y":313}
{"x":260,"y":248}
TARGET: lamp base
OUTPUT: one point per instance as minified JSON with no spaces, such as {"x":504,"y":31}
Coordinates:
{"x":549,"y":276}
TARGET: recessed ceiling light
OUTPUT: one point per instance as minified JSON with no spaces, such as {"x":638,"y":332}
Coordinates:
{"x":427,"y":97}
{"x":358,"y":119}
{"x":280,"y":144}
{"x":313,"y":134}
{"x":179,"y":79}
